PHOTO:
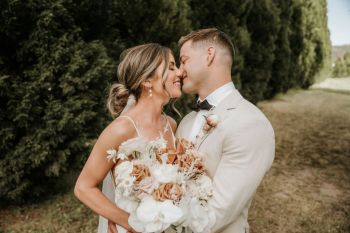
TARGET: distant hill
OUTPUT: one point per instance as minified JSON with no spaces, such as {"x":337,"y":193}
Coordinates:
{"x":339,"y":51}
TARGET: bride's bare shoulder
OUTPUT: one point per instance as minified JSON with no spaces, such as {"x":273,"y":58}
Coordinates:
{"x":120,"y":129}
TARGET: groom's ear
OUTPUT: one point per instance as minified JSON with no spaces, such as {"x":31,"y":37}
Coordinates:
{"x":210,"y":55}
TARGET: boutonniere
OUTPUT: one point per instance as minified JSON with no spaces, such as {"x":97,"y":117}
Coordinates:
{"x":211,"y":121}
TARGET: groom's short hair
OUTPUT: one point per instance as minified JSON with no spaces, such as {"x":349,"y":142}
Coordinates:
{"x":210,"y":35}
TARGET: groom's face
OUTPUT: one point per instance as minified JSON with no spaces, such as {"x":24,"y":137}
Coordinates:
{"x":192,"y":67}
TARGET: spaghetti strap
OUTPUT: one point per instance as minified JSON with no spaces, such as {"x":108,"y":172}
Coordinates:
{"x":171,"y":130}
{"x":133,"y":122}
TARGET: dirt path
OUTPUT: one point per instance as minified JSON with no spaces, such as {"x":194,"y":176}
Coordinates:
{"x":308,"y":187}
{"x":340,"y":84}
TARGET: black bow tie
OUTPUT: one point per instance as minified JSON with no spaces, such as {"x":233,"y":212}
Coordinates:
{"x":204,"y":105}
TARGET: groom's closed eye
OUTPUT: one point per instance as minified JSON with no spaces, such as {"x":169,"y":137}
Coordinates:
{"x":183,"y":59}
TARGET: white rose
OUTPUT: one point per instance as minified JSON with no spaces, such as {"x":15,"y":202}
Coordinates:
{"x":134,"y":144}
{"x":154,"y":216}
{"x":165,"y":173}
{"x":199,"y":218}
{"x":205,"y":187}
{"x":127,"y":203}
{"x":123,"y":170}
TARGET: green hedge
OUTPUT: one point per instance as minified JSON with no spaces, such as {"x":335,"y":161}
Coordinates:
{"x":58,"y":58}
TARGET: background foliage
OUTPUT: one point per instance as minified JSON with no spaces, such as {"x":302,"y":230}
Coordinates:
{"x":342,"y":66}
{"x":58,"y":58}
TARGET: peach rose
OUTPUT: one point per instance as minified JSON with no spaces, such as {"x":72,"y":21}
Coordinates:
{"x":140,"y":171}
{"x":169,"y":191}
{"x":189,"y":161}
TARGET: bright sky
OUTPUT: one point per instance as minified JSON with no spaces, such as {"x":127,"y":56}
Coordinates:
{"x":339,"y":21}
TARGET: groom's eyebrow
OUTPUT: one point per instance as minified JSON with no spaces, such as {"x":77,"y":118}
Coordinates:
{"x":183,"y":57}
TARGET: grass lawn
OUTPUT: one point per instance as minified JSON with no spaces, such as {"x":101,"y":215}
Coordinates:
{"x":306,"y":190}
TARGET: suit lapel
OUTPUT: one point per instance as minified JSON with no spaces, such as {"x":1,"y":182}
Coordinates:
{"x":223,"y":109}
{"x":185,"y":130}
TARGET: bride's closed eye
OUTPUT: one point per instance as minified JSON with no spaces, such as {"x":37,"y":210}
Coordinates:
{"x":172,"y":66}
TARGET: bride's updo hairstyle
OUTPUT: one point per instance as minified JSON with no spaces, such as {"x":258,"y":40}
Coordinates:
{"x":137,"y":64}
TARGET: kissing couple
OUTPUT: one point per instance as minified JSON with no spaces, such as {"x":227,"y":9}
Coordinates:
{"x":199,"y":176}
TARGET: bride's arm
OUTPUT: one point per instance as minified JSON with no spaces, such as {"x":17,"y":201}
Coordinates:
{"x":95,"y":169}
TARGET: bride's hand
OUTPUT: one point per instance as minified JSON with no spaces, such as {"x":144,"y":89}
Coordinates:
{"x":112,"y":227}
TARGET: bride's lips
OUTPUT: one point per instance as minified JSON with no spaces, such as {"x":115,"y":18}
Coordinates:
{"x":177,"y":83}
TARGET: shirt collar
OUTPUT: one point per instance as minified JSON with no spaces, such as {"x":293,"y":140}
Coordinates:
{"x":219,"y":94}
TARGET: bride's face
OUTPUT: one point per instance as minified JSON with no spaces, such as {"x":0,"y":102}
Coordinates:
{"x":169,"y":86}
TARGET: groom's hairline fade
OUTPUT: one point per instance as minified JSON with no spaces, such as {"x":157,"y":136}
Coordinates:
{"x":210,"y":35}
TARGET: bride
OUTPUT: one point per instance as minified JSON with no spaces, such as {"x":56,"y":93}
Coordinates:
{"x":148,"y":79}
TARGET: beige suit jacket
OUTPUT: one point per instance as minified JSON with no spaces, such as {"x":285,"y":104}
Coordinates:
{"x":238,"y":152}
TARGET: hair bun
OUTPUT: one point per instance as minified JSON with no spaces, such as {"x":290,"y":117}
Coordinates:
{"x":117,"y":99}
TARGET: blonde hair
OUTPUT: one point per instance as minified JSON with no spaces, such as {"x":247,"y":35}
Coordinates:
{"x":210,"y":35}
{"x":137,"y":65}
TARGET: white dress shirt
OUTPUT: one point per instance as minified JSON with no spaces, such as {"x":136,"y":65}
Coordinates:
{"x":214,"y":99}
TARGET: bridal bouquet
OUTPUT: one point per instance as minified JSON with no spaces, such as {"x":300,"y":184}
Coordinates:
{"x":163,"y":190}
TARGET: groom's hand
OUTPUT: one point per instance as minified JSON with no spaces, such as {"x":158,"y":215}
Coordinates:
{"x":112,"y":228}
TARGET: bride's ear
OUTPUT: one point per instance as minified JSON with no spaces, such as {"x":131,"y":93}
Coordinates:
{"x":147,"y":84}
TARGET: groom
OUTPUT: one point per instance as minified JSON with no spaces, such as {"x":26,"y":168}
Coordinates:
{"x":240,"y":149}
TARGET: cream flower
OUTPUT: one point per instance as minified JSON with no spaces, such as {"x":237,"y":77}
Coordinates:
{"x":154,"y":216}
{"x":197,"y":217}
{"x":205,"y":187}
{"x":129,"y":147}
{"x":124,"y":169}
{"x":212,"y":120}
{"x":164,"y":173}
{"x":159,"y":144}
{"x":127,"y":203}
{"x":146,"y":187}
{"x":112,"y":155}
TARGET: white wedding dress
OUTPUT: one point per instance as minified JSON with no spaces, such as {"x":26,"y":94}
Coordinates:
{"x":108,"y":190}
{"x":108,"y":183}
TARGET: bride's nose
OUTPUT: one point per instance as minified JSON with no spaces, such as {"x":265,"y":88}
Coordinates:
{"x":179,"y":72}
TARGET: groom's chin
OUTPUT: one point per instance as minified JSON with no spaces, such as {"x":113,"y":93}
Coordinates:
{"x":189,"y":92}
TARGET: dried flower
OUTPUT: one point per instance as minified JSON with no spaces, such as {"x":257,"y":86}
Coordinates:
{"x":211,"y":121}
